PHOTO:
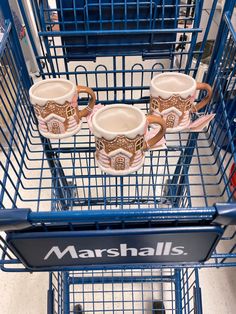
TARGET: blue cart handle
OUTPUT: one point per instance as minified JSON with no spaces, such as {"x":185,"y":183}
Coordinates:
{"x":14,"y":219}
{"x":19,"y":219}
{"x":226,"y":214}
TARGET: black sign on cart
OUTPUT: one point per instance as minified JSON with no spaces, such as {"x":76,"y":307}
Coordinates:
{"x":43,"y":250}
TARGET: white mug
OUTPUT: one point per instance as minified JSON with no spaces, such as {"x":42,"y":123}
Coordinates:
{"x":119,"y":132}
{"x":56,"y":108}
{"x":172,"y":95}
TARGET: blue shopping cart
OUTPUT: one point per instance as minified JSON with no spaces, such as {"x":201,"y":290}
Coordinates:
{"x":61,"y":214}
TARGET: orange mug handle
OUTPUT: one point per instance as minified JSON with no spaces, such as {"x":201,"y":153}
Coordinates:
{"x":86,"y":111}
{"x":152,"y":119}
{"x":206,"y":99}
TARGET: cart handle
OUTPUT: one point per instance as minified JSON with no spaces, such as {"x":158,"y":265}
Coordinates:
{"x":19,"y":219}
{"x":226,"y":214}
{"x":14,"y":219}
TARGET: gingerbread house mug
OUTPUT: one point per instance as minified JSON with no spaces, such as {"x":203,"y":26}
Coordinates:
{"x":56,"y":108}
{"x":120,"y":132}
{"x":172,"y":96}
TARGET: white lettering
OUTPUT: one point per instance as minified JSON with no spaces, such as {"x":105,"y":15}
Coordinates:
{"x":159,"y":248}
{"x":124,"y":250}
{"x":113,"y":252}
{"x":146,"y":251}
{"x":86,"y":254}
{"x":55,"y":249}
{"x":167,"y":248}
{"x":178,"y":250}
{"x":162,"y":248}
{"x":99,"y":252}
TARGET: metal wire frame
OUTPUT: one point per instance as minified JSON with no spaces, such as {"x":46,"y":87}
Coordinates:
{"x":144,"y":23}
{"x":62,"y":175}
{"x":72,"y":165}
{"x":127,"y":291}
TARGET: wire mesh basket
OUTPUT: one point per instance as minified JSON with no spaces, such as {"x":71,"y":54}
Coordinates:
{"x":56,"y":186}
{"x":137,"y":291}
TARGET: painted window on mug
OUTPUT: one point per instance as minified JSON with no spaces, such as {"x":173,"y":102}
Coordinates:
{"x":70,"y":111}
{"x":154,"y":104}
{"x":139,"y":144}
{"x":99,"y":145}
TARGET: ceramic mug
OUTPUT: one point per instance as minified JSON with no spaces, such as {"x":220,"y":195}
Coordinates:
{"x":172,"y":96}
{"x":56,"y":108}
{"x":119,"y":132}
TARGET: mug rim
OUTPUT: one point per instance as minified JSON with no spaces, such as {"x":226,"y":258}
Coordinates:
{"x":186,"y":91}
{"x":135,"y":130}
{"x":56,"y":99}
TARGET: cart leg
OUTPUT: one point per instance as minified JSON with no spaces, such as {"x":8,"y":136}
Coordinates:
{"x":158,"y":307}
{"x":59,"y":181}
{"x":178,"y":183}
{"x":78,"y":309}
{"x":66,"y":293}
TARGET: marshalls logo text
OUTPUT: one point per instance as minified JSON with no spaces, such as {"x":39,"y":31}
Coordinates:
{"x":161,"y":249}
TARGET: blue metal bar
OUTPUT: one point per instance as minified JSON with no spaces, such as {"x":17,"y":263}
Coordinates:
{"x":220,"y":40}
{"x":198,"y":295}
{"x":227,"y":19}
{"x":116,"y":32}
{"x":66,"y":293}
{"x":117,"y":215}
{"x":126,"y":279}
{"x":178,"y":292}
{"x":50,"y":297}
{"x":210,"y":19}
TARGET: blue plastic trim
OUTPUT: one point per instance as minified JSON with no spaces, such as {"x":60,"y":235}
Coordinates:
{"x":14,"y":219}
{"x":226,"y":214}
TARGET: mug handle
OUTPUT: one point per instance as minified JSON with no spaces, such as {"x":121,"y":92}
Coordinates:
{"x":206,"y":99}
{"x":86,"y":111}
{"x":152,"y":119}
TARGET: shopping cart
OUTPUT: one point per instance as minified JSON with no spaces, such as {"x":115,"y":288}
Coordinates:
{"x":54,"y":200}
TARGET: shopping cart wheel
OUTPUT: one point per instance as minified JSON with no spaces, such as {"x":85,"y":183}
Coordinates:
{"x":78,"y":309}
{"x":158,"y":307}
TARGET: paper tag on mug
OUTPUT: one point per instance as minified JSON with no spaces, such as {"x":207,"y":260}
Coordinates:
{"x":199,"y":124}
{"x":90,"y":116}
{"x":159,"y":145}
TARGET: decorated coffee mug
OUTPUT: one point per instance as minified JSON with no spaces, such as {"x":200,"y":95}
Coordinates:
{"x":56,"y":108}
{"x":172,"y":96}
{"x":120,"y":134}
